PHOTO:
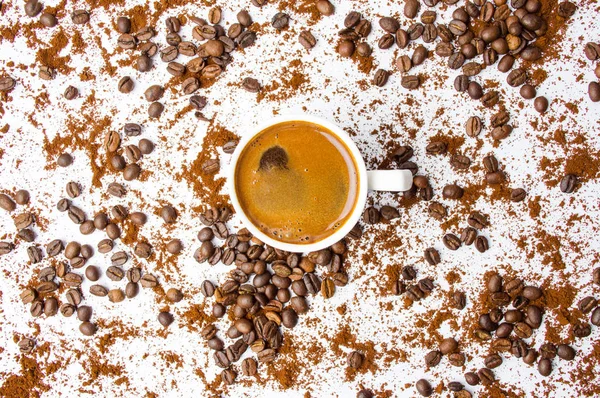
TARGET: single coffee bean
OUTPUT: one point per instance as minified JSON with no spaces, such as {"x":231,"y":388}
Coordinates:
{"x":432,"y":256}
{"x":486,"y":376}
{"x":306,"y":38}
{"x":451,"y":241}
{"x":410,"y":82}
{"x":165,"y":318}
{"x":389,"y":24}
{"x":517,"y":195}
{"x":251,"y":85}
{"x":325,"y":7}
{"x":380,"y":78}
{"x":566,"y":352}
{"x":87,"y":328}
{"x":452,"y":191}
{"x":424,"y":388}
{"x":355,"y":359}
{"x":545,"y":367}
{"x":131,"y":289}
{"x":568,"y":183}
{"x":472,"y":378}
{"x":155,"y":109}
{"x":541,"y":104}
{"x":594,"y":91}
{"x":371,"y":215}
{"x":80,"y":17}
{"x":493,"y":361}
{"x":280,"y":21}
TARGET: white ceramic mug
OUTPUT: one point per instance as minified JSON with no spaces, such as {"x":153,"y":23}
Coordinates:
{"x":377,"y":180}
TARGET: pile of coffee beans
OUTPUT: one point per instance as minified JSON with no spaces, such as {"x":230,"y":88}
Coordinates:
{"x":208,"y":59}
{"x":352,"y":37}
{"x":592,"y":52}
{"x":266,"y":289}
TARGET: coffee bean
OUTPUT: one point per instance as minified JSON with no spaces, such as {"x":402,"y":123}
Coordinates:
{"x":424,"y":388}
{"x":249,"y":367}
{"x":568,"y":183}
{"x":448,"y":346}
{"x":143,"y":249}
{"x":87,"y":328}
{"x":352,"y":19}
{"x":80,"y":17}
{"x":251,"y":85}
{"x":452,"y":191}
{"x":493,"y":361}
{"x":98,"y":290}
{"x":540,"y":104}
{"x":594,"y":91}
{"x":451,"y":241}
{"x":595,"y":317}
{"x":587,"y":304}
{"x":545,"y":367}
{"x":306,"y":38}
{"x":433,"y":358}
{"x":165,"y":318}
{"x":155,"y":109}
{"x":46,"y":73}
{"x":119,"y":258}
{"x":592,"y":51}
{"x":566,"y":352}
{"x":486,"y":376}
{"x":459,"y":300}
{"x":389,"y":24}
{"x":380,"y":78}
{"x":389,"y":213}
{"x":325,"y":7}
{"x":280,"y":21}
{"x":432,"y":256}
{"x":410,"y":82}
{"x":436,"y":148}
{"x":437,"y":211}
{"x":473,"y":126}
{"x":516,"y":77}
{"x":26,"y":235}
{"x":123,"y":25}
{"x":355,"y":359}
{"x":468,"y":236}
{"x":371,"y":215}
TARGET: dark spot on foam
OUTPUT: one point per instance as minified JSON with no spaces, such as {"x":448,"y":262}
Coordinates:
{"x":273,"y":158}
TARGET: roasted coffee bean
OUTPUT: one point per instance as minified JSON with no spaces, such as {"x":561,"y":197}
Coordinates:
{"x":595,"y":317}
{"x":352,"y":19}
{"x":594,"y":90}
{"x":80,"y":17}
{"x":424,"y":388}
{"x":73,"y":297}
{"x":493,"y":361}
{"x":541,"y":104}
{"x":389,"y":24}
{"x":436,"y":148}
{"x":568,"y":183}
{"x":205,"y":251}
{"x":98,"y":290}
{"x":426,"y":285}
{"x":165,"y":318}
{"x":35,"y":254}
{"x":371,"y":215}
{"x":486,"y":376}
{"x":306,"y":39}
{"x":432,"y":256}
{"x":473,"y":126}
{"x":6,"y":247}
{"x":448,"y":346}
{"x":481,"y":244}
{"x":582,"y":330}
{"x":386,"y":41}
{"x":280,"y":21}
{"x":389,"y":213}
{"x":433,"y":358}
{"x":545,"y":367}
{"x":566,"y":352}
{"x":468,"y":236}
{"x":437,"y":211}
{"x":516,"y":77}
{"x":410,"y":82}
{"x":155,"y":109}
{"x":452,"y":191}
{"x":355,"y":359}
{"x":87,"y":328}
{"x":131,"y":172}
{"x":380,"y":78}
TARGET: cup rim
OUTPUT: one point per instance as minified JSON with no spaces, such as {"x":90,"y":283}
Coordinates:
{"x":361,"y":194}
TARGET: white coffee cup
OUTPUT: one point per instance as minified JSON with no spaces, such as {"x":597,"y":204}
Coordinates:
{"x":377,"y":180}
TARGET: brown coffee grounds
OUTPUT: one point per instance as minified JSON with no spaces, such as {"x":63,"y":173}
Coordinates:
{"x":50,"y":56}
{"x":196,"y":318}
{"x":293,"y":81}
{"x":97,"y":366}
{"x":305,"y":8}
{"x":28,"y":382}
{"x":206,"y":187}
{"x":345,"y":338}
{"x":365,"y":64}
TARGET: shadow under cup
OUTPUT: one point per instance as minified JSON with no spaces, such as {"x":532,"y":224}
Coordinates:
{"x":297,"y":182}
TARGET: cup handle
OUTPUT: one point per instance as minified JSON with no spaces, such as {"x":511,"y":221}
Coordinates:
{"x":389,"y":180}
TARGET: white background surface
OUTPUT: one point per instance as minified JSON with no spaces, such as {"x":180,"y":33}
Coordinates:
{"x":373,"y":116}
